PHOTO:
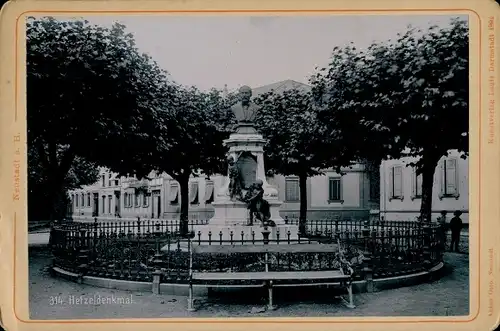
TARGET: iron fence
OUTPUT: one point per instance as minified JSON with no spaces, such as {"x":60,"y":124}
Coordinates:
{"x":136,"y":250}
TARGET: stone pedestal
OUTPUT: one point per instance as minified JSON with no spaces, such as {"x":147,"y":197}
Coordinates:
{"x":227,"y":212}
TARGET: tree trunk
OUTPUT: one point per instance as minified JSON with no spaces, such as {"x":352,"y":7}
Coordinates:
{"x":183,"y":180}
{"x":427,"y":171}
{"x":57,"y":175}
{"x":303,"y":203}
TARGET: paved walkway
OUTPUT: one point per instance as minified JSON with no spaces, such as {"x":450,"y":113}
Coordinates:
{"x":38,"y":238}
{"x":54,"y":298}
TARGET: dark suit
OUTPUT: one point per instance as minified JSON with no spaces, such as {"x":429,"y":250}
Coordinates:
{"x":245,"y":115}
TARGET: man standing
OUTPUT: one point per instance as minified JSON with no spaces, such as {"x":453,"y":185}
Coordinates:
{"x":455,"y":227}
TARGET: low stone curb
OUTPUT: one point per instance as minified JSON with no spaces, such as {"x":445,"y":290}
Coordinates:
{"x":201,"y":290}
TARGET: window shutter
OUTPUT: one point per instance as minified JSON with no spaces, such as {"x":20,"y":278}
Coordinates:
{"x":414,"y":183}
{"x":209,"y":192}
{"x":174,"y":193}
{"x":292,"y":190}
{"x":451,"y":176}
{"x":330,"y":189}
{"x":418,"y":180}
{"x":193,"y":198}
{"x":441,"y":179}
{"x":391,"y":183}
{"x":339,"y":189}
{"x":398,"y":188}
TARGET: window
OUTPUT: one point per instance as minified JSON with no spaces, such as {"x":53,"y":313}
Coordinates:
{"x":292,"y":190}
{"x":416,"y":185}
{"x":109,"y":181}
{"x":82,"y":200}
{"x":396,"y":183}
{"x":335,"y":189}
{"x":88,"y":199}
{"x":209,"y":192}
{"x":103,"y":177}
{"x":76,"y":200}
{"x":117,"y":182}
{"x":103,"y":204}
{"x":449,"y":178}
{"x":174,"y":194}
{"x":144,"y":199}
{"x":127,"y":200}
{"x":136,"y":200}
{"x":110,"y":199}
{"x":193,"y":194}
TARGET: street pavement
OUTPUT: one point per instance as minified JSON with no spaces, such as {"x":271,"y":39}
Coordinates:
{"x":55,"y":298}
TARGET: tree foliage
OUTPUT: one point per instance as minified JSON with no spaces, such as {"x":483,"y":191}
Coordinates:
{"x":93,"y":96}
{"x":403,"y":98}
{"x":195,"y":128}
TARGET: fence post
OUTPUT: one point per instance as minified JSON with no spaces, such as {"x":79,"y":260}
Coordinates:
{"x":265,"y":235}
{"x":367,"y":268}
{"x":157,"y":263}
{"x":83,"y":255}
{"x":441,"y":230}
{"x":427,"y":241}
{"x":302,"y":227}
{"x":138,"y":227}
{"x":55,"y":242}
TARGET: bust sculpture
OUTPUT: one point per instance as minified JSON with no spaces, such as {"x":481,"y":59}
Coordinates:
{"x":245,"y":111}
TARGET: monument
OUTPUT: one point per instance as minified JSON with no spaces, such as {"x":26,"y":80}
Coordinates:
{"x":246,"y":203}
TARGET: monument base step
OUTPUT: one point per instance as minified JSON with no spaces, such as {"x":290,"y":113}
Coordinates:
{"x":235,"y":213}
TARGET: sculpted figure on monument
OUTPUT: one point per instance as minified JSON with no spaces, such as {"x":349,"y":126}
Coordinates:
{"x":234,"y":180}
{"x":245,"y":111}
{"x":258,"y":207}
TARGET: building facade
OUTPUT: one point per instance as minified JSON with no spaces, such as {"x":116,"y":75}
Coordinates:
{"x":345,"y":195}
{"x":401,"y":188}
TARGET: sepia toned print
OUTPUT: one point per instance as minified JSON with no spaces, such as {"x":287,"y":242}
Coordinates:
{"x":154,"y":127}
{"x":258,"y":167}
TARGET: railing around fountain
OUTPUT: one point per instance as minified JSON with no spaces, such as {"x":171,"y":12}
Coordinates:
{"x":137,"y":250}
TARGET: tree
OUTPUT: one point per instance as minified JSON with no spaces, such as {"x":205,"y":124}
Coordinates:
{"x":196,"y":126}
{"x":298,"y":143}
{"x":92,"y":96}
{"x":409,"y":96}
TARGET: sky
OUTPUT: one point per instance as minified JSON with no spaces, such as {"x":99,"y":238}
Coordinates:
{"x":212,"y":51}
